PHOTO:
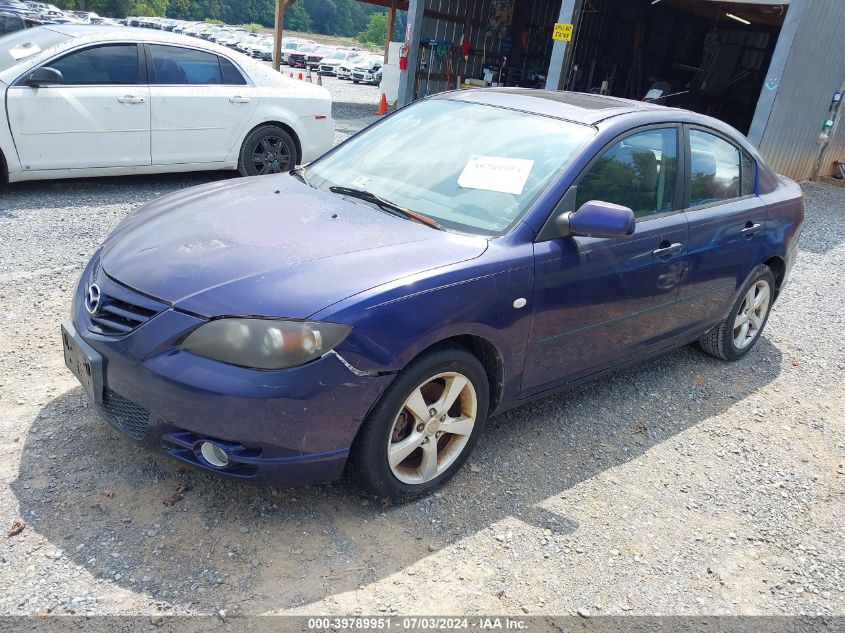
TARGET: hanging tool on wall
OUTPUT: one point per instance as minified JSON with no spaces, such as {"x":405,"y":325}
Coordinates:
{"x":438,"y":49}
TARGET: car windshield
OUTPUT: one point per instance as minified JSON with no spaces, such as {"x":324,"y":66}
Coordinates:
{"x":22,"y":44}
{"x":474,"y":168}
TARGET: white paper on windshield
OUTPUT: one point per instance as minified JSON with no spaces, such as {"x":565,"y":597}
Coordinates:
{"x":495,"y":173}
{"x":24,"y":50}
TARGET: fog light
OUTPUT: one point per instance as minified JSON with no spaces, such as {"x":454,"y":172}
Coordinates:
{"x":214,"y":455}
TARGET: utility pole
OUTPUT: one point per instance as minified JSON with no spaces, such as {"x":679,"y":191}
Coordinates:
{"x":277,"y":36}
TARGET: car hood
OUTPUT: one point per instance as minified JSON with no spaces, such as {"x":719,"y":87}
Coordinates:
{"x":270,"y":246}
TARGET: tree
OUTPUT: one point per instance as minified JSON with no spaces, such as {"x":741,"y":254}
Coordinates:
{"x":297,"y":18}
{"x":376,"y":31}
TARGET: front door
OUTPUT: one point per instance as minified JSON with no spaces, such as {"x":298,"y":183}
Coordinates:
{"x":201,"y":105}
{"x":599,"y":302}
{"x":99,"y":116}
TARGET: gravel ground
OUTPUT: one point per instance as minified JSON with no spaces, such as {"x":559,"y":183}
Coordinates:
{"x":681,"y":486}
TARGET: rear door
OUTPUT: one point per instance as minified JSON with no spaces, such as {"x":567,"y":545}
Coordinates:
{"x":99,"y":116}
{"x":599,"y":302}
{"x":201,"y":105}
{"x":726,"y":219}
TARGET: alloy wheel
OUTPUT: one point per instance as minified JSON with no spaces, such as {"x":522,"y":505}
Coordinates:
{"x":432,"y":428}
{"x":271,"y":156}
{"x":752,"y":314}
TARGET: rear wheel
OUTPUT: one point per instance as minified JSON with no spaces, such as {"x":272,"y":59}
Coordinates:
{"x":268,"y":149}
{"x":734,"y":337}
{"x":424,"y":427}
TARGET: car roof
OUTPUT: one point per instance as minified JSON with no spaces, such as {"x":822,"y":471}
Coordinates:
{"x":99,"y":33}
{"x":572,"y":106}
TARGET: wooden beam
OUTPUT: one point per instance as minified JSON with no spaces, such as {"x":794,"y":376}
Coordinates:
{"x":391,"y":19}
{"x":281,"y":5}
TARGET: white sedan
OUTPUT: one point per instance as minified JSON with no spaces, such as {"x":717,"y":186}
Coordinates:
{"x":80,"y":101}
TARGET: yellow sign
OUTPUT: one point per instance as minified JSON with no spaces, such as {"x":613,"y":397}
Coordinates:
{"x":562,"y":31}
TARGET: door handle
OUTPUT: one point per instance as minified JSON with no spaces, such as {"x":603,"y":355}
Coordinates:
{"x":667,"y":250}
{"x":130,"y":99}
{"x":238,"y":99}
{"x":751,"y":229}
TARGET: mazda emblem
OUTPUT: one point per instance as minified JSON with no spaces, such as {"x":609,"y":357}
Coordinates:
{"x":92,"y":299}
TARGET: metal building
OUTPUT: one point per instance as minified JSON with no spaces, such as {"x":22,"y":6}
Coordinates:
{"x":774,"y":70}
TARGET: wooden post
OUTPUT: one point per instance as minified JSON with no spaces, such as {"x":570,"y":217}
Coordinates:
{"x":391,"y":18}
{"x":281,"y":5}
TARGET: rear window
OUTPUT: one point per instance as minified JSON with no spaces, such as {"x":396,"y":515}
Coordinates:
{"x":19,"y":45}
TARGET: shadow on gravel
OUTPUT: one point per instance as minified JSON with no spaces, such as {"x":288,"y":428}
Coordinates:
{"x":85,"y":192}
{"x":202,"y":543}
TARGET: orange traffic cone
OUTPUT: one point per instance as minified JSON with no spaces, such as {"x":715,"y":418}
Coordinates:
{"x":300,"y":76}
{"x":382,"y":106}
{"x":308,"y":78}
{"x":319,"y":79}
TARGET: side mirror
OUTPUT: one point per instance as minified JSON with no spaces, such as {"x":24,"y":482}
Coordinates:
{"x":598,"y":219}
{"x":44,"y":76}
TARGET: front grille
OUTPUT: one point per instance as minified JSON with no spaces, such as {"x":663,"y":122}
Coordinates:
{"x":121,"y":310}
{"x":125,"y":414}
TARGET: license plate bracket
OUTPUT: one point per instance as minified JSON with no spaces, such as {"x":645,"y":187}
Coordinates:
{"x":84,"y":362}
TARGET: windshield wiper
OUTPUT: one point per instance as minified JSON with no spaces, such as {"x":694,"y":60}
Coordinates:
{"x":387,"y":205}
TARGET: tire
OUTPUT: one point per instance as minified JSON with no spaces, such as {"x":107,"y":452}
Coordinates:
{"x":426,"y":454}
{"x":734,"y":337}
{"x":354,"y":81}
{"x":268,"y":149}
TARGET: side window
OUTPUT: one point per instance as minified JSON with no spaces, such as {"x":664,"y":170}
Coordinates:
{"x":714,"y":169}
{"x":175,"y":66}
{"x":100,"y":65}
{"x":638,"y":172}
{"x":231,"y":75}
{"x":749,"y":175}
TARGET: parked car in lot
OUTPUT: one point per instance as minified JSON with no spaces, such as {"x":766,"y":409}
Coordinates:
{"x":366,"y":72}
{"x":298,"y":58}
{"x":547,"y":239}
{"x":333,"y":59}
{"x":79,"y":101}
{"x":313,"y":58}
{"x":10,"y":22}
{"x":262,"y":50}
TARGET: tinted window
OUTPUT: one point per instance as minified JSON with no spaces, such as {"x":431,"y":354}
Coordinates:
{"x":638,"y":172}
{"x":714,"y":169}
{"x":185,"y":66}
{"x":101,"y":65}
{"x":231,"y":75}
{"x":10,"y":23}
{"x":749,"y":175}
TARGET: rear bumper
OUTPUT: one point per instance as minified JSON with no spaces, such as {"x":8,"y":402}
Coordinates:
{"x":317,"y":137}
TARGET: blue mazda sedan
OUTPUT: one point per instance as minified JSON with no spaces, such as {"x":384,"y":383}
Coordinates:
{"x":463,"y":256}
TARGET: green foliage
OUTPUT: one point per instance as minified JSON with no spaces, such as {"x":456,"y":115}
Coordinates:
{"x":213,"y":21}
{"x":297,"y":18}
{"x":252,"y":27}
{"x":376,"y":31}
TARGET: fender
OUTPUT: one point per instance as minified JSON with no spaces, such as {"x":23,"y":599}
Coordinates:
{"x":437,"y":307}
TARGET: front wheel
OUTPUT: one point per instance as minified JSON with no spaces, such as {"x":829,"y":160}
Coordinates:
{"x":424,"y":427}
{"x":734,"y":337}
{"x":268,"y":149}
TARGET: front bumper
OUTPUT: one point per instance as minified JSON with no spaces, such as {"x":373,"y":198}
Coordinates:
{"x":289,"y":427}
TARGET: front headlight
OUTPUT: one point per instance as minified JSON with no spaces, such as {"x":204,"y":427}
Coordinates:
{"x":265,"y":343}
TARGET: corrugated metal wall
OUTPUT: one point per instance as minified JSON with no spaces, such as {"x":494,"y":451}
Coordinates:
{"x":814,"y":70}
{"x":447,"y":20}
